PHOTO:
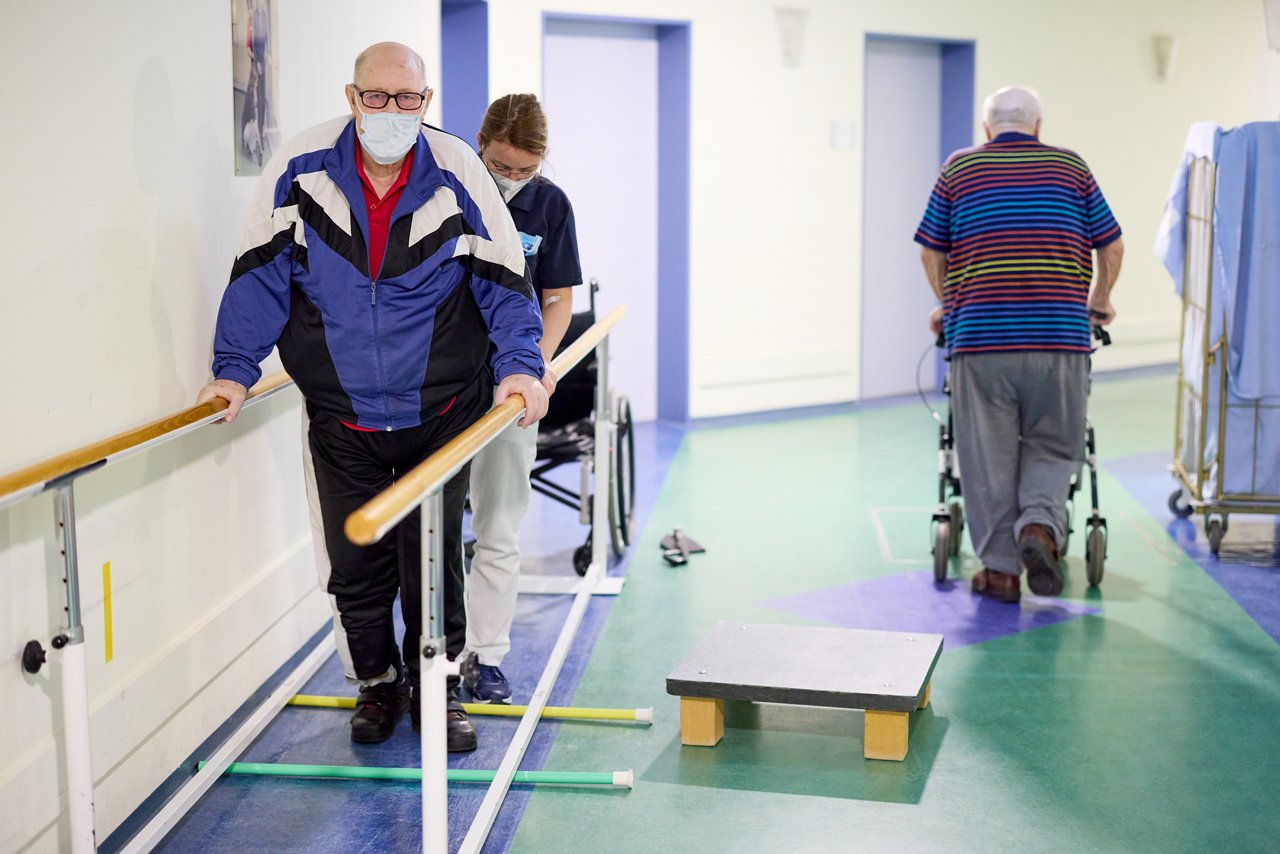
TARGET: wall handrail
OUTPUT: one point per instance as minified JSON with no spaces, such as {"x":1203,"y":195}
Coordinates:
{"x":47,"y":474}
{"x":371,"y":522}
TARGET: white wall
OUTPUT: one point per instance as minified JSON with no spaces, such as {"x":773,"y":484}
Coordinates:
{"x":119,"y":233}
{"x":776,"y":211}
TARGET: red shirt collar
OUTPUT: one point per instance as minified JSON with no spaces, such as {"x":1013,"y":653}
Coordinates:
{"x":401,"y":180}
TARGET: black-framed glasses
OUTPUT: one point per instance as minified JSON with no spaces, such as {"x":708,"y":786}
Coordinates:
{"x":376,"y":100}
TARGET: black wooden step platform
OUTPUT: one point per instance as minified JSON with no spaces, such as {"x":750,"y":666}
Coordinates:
{"x":887,"y":674}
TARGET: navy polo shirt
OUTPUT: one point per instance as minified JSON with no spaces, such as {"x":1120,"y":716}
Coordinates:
{"x":544,"y":218}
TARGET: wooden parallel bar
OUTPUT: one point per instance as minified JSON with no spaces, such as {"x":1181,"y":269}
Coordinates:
{"x":372,"y":521}
{"x":34,"y":478}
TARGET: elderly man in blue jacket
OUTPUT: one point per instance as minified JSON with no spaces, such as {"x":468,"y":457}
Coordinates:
{"x":381,"y":261}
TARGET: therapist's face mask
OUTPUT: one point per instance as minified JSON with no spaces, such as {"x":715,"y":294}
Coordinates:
{"x":387,"y":137}
{"x":509,"y":187}
{"x":498,"y":157}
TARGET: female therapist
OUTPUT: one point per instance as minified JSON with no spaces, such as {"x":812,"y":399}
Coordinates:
{"x":513,"y":143}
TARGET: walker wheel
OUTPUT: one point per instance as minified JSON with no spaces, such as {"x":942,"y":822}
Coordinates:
{"x":1095,"y":553}
{"x":941,"y":550}
{"x":957,"y":527}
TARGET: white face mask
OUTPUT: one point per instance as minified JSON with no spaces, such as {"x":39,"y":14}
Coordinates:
{"x":387,"y":137}
{"x":508,"y":187}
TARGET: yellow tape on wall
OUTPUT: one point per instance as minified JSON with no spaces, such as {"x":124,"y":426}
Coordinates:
{"x":106,"y":610}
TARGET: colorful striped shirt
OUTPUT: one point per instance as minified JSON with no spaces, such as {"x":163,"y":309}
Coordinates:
{"x":1019,"y":221}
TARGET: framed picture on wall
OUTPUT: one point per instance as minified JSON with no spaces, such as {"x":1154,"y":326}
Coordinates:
{"x":253,"y":81}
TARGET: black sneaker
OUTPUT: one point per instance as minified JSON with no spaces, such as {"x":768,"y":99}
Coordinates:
{"x":460,"y":735}
{"x":378,"y":709}
{"x":490,"y":686}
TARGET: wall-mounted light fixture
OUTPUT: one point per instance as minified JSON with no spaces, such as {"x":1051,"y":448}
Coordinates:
{"x":791,"y":23}
{"x":1166,"y":55}
{"x":1271,"y":13}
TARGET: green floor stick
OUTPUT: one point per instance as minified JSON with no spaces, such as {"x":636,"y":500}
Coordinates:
{"x":454,"y":775}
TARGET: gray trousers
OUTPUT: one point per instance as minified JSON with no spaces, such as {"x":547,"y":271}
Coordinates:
{"x":1020,"y":435}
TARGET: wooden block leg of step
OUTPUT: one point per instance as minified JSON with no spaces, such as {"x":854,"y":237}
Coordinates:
{"x":884,"y":735}
{"x":924,"y":698}
{"x":701,"y":721}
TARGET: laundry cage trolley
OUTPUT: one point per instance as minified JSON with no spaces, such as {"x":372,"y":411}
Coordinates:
{"x":566,"y":436}
{"x":948,"y":523}
{"x":1226,"y":456}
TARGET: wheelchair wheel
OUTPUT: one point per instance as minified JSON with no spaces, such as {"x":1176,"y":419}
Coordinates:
{"x":582,"y":558}
{"x":941,"y":550}
{"x":622,"y":483}
{"x":1095,"y":553}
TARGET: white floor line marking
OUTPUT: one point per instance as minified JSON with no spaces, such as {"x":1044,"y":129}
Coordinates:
{"x":886,"y":552}
{"x":1133,"y":523}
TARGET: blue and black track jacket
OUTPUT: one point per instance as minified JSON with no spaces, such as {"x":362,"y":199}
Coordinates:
{"x":390,"y":352}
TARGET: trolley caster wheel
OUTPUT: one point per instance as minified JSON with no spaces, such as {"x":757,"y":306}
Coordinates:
{"x":941,"y":550}
{"x":1095,"y":553}
{"x":582,"y":558}
{"x":957,"y":528}
{"x":1178,"y":505}
{"x":1215,"y":529}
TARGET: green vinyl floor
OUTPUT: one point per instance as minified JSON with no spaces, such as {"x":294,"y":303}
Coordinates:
{"x":1140,"y":716}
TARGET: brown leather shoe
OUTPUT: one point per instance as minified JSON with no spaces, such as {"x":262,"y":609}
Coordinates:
{"x":1039,"y":555}
{"x":997,"y":585}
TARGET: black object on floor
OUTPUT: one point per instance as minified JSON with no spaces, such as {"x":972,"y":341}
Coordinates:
{"x":677,"y":546}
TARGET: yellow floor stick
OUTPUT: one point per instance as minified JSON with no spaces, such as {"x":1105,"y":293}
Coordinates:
{"x":498,"y":709}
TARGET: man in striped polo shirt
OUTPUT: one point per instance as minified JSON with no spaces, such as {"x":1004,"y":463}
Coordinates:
{"x":1008,"y":241}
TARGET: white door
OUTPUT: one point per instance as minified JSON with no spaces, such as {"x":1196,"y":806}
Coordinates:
{"x":903,"y":138}
{"x":600,"y":91}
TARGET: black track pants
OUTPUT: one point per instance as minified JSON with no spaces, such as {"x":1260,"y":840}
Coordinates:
{"x":352,"y":467}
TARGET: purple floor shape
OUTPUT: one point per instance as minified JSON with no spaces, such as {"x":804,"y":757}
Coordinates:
{"x":910,"y":602}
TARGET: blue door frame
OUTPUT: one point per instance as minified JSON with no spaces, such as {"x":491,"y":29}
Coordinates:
{"x":956,"y":120}
{"x":464,"y":65}
{"x":464,"y":36}
{"x":674,"y":123}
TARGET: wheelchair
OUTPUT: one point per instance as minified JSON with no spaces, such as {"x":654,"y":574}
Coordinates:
{"x":566,"y":436}
{"x":948,"y":518}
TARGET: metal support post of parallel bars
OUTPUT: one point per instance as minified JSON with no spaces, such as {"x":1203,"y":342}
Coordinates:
{"x":75,"y":686}
{"x":604,"y":453}
{"x":435,"y":668}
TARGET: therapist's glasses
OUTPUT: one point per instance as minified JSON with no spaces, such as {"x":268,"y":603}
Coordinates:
{"x":510,"y":171}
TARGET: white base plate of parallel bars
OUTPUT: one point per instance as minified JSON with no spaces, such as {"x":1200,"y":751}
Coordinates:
{"x":610,"y":585}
